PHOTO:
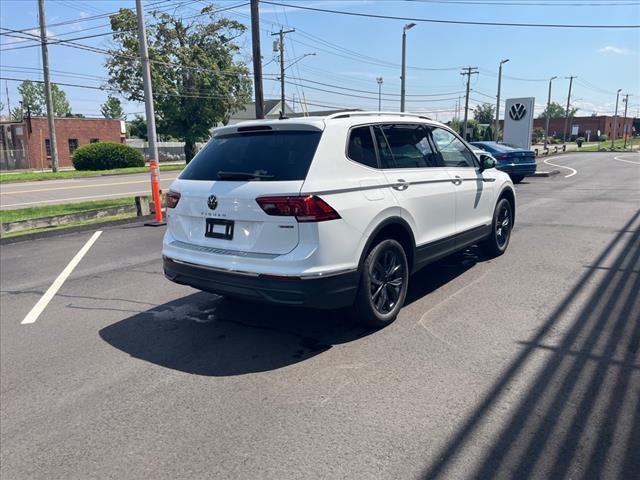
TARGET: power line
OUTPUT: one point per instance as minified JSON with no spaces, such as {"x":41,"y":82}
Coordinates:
{"x":527,"y":3}
{"x":456,"y":22}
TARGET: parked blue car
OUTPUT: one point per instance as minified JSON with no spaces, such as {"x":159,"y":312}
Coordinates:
{"x":517,"y":162}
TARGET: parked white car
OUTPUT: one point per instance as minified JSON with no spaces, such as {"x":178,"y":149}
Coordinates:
{"x":331,"y":212}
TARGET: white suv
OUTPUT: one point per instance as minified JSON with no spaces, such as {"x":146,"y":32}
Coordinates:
{"x":331,"y":212}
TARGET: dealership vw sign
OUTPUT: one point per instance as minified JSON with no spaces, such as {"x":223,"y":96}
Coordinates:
{"x":517,"y":111}
{"x":518,"y":122}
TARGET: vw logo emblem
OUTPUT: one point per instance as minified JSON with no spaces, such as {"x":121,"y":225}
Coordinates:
{"x":212,"y":202}
{"x":517,"y":111}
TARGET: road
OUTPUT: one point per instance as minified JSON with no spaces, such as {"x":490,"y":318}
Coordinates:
{"x":30,"y":194}
{"x":524,"y":366}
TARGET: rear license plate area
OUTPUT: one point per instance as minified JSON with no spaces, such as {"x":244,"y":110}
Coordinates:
{"x":222,"y":229}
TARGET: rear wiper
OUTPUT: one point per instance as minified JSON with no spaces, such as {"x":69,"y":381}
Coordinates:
{"x":243,"y":176}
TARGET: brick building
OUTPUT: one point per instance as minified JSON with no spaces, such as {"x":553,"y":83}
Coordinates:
{"x":25,"y":144}
{"x":584,"y":125}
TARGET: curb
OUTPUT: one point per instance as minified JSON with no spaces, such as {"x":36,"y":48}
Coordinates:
{"x":550,"y":173}
{"x":79,"y":228}
{"x":59,"y":220}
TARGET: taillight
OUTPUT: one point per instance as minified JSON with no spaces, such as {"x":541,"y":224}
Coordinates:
{"x":172,"y":199}
{"x":306,"y":209}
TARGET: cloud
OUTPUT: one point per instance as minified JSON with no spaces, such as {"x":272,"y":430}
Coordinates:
{"x":616,"y":50}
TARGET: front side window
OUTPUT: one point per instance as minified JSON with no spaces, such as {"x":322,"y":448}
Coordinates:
{"x":255,"y":156}
{"x":454,"y":153}
{"x":361,"y":149}
{"x":410,"y":146}
{"x":47,"y":147}
{"x":73,"y":145}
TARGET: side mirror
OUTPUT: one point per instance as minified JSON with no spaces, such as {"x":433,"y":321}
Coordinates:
{"x":486,"y":162}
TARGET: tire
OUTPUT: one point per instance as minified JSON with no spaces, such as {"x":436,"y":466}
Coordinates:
{"x":517,"y":178}
{"x":384,"y":280}
{"x":498,"y":241}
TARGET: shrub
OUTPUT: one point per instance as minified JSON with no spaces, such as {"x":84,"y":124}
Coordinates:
{"x":106,"y":156}
{"x":603,"y":138}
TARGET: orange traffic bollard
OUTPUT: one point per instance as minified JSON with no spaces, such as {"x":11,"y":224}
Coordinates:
{"x":155,"y":192}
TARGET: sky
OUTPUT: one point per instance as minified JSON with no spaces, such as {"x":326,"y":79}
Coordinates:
{"x":350,"y":52}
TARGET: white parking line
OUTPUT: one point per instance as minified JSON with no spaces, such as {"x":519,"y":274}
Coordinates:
{"x":39,"y":307}
{"x":573,"y":170}
{"x":627,"y":161}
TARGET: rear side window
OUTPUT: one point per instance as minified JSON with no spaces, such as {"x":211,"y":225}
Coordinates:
{"x":361,"y":149}
{"x":265,"y":156}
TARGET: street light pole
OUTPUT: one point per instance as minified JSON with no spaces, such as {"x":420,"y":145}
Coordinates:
{"x":495,"y":136}
{"x":615,"y":119}
{"x":546,"y":126}
{"x":379,"y":80}
{"x":408,"y":26}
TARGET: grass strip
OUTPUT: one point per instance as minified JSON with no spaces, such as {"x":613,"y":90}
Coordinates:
{"x":38,"y":176}
{"x":31,"y":213}
{"x":618,"y":145}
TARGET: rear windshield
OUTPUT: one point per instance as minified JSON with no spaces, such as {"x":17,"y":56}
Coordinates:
{"x":265,"y":156}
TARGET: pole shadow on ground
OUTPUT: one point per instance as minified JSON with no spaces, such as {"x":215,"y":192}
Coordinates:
{"x":576,"y":418}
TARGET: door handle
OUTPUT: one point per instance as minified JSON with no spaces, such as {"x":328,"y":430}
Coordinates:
{"x":401,"y":186}
{"x":457,"y":180}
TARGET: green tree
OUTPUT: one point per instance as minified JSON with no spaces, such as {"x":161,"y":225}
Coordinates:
{"x":32,"y":94}
{"x":537,"y":135}
{"x":137,"y":128}
{"x":197,"y":82}
{"x":557,"y":111}
{"x":112,"y":108}
{"x":485,"y":113}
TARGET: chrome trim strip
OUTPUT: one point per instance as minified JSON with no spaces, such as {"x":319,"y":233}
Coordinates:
{"x":374,"y":187}
{"x":221,"y":251}
{"x":254,"y":274}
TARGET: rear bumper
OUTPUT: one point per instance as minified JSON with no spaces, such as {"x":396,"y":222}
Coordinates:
{"x":326,"y":292}
{"x":517,"y":168}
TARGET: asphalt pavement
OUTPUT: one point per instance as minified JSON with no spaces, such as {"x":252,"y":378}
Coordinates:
{"x":30,"y":194}
{"x":524,"y":366}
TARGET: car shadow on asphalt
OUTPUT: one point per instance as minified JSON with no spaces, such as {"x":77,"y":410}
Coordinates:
{"x":205,"y":334}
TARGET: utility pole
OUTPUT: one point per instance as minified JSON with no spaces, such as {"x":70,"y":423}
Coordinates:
{"x":403,"y":75}
{"x":281,"y":35}
{"x":495,"y":135}
{"x":468,"y":72}
{"x":379,"y":80}
{"x":615,"y":119}
{"x":546,"y":124}
{"x":150,"y":114}
{"x":47,"y":87}
{"x":257,"y":59}
{"x":6,"y":88}
{"x":624,"y":120}
{"x":566,"y":119}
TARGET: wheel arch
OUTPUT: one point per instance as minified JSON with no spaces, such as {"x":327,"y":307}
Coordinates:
{"x":396,"y":228}
{"x":510,"y":195}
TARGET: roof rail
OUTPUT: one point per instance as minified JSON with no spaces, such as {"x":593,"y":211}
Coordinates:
{"x":359,"y":114}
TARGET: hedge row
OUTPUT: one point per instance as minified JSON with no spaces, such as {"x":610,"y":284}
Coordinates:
{"x":106,"y":156}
